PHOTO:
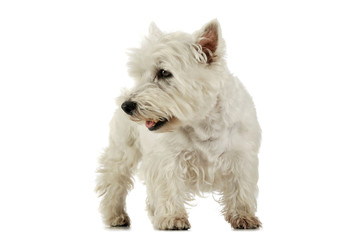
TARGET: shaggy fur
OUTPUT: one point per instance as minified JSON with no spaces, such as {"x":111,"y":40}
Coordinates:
{"x":192,"y":126}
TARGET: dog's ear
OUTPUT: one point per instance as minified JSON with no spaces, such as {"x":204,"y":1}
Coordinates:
{"x":209,"y":37}
{"x":154,"y":30}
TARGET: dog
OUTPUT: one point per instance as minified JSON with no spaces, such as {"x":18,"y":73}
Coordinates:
{"x":189,"y":127}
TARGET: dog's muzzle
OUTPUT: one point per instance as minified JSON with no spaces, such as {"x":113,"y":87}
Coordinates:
{"x":129,"y":107}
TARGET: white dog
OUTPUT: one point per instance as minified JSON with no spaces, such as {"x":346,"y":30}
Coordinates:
{"x":193,"y":127}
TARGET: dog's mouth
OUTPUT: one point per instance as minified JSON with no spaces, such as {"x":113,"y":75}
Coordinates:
{"x":155,"y":125}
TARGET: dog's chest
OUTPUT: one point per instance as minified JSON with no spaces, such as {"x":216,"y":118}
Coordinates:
{"x":210,"y":140}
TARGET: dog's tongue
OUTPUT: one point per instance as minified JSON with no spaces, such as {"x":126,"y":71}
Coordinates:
{"x":149,"y":124}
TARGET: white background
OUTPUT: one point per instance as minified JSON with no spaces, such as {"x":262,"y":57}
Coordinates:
{"x":62,"y":63}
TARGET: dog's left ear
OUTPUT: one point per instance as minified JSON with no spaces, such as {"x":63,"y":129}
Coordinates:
{"x":209,"y":37}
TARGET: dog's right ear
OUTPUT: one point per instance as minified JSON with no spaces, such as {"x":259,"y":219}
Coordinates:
{"x":154,"y":30}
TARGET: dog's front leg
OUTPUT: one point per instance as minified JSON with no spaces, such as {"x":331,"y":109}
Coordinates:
{"x":166,"y":196}
{"x":240,"y":191}
{"x":117,"y":165}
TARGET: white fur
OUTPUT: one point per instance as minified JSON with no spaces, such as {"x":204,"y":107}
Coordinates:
{"x":210,"y":143}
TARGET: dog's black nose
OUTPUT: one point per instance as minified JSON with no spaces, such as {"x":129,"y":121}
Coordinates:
{"x":129,"y":107}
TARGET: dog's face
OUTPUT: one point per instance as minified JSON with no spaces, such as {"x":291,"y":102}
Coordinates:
{"x":177,"y":77}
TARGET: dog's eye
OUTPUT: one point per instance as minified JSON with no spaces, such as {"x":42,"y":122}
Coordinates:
{"x":164,"y":74}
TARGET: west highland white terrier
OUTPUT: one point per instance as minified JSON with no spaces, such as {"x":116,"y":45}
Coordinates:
{"x":192,"y":126}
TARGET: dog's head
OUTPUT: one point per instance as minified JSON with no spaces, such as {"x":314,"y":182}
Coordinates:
{"x":178,"y":77}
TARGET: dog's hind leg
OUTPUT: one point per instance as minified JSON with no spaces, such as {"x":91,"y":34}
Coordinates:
{"x":117,"y":165}
{"x":240,"y":190}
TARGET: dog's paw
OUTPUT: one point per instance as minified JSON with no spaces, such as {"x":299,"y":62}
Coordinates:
{"x":122,"y":220}
{"x":173,"y":223}
{"x":245,"y":222}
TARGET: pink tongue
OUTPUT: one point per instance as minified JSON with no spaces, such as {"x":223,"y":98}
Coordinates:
{"x":149,"y":124}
